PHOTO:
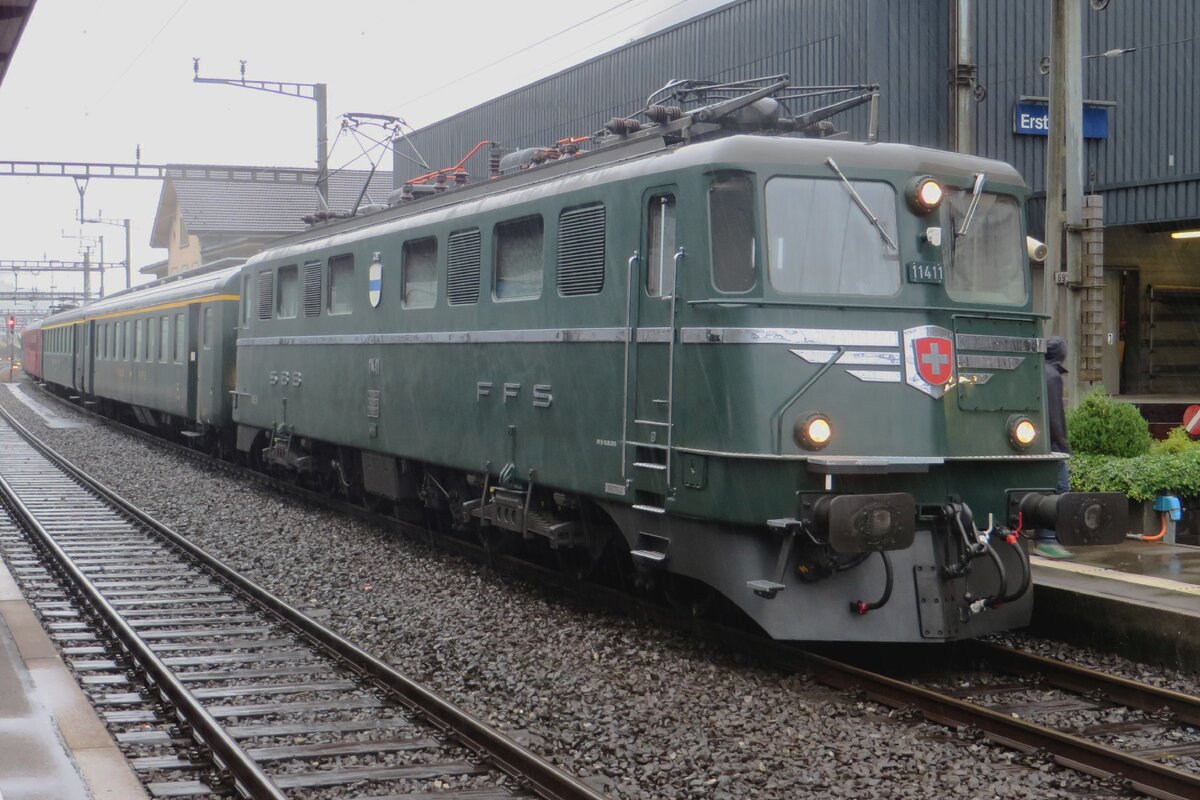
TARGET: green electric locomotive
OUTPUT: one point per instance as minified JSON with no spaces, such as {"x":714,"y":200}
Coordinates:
{"x":800,"y":372}
{"x":723,"y":350}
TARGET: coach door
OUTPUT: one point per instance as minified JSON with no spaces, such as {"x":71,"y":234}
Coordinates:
{"x":653,"y":302}
{"x":81,"y":332}
{"x":206,"y":364}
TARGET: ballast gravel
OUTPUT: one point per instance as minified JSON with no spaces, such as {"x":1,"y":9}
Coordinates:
{"x":631,"y":709}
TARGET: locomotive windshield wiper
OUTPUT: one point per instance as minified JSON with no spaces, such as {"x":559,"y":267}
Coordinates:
{"x":862,"y":204}
{"x":976,"y":193}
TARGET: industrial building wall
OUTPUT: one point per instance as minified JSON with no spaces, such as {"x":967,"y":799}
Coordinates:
{"x":900,"y":44}
{"x":1148,"y":167}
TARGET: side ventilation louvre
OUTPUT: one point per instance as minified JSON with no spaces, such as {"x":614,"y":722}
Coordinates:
{"x":462,"y":279}
{"x":312,"y":289}
{"x":581,"y":251}
{"x":266,"y":294}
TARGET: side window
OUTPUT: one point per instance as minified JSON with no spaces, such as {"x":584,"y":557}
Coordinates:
{"x":419,"y":273}
{"x":266,"y":294}
{"x":246,"y":300}
{"x":99,"y":342}
{"x":139,"y":339}
{"x":180,"y":338}
{"x":660,"y":245}
{"x":151,"y":338}
{"x":119,"y":341}
{"x":462,"y":267}
{"x":341,"y":284}
{"x":580,"y":268}
{"x":519,"y":261}
{"x":731,"y":230}
{"x":208,"y":322}
{"x":164,"y":339}
{"x":288,"y":290}
{"x":312,"y":289}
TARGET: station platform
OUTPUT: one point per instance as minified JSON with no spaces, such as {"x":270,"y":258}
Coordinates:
{"x":1138,"y":599}
{"x":53,"y":746}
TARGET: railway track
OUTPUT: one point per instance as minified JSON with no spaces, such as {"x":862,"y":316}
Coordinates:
{"x":1005,"y":707}
{"x":214,"y":686}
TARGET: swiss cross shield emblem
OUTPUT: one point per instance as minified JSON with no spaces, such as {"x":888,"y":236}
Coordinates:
{"x":929,"y":359}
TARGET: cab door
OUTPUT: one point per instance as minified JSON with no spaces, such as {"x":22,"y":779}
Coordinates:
{"x":654,"y":281}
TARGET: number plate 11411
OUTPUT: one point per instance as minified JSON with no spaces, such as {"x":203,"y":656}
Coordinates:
{"x":925,"y":272}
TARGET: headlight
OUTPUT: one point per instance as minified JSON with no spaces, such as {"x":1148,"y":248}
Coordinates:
{"x":925,"y":195}
{"x":813,"y":432}
{"x":1022,"y":432}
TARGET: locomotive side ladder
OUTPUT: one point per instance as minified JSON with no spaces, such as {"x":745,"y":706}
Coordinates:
{"x":650,"y":364}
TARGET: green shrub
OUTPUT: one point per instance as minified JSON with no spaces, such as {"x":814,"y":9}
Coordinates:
{"x":1103,"y":426}
{"x":1177,"y":441}
{"x":1141,"y":477}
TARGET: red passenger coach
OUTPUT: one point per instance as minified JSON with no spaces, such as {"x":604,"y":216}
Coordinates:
{"x":31,"y":351}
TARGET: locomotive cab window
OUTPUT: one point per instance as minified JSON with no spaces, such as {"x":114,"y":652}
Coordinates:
{"x":519,"y":259}
{"x":341,"y":284}
{"x":986,"y":263}
{"x":287,"y":300}
{"x":660,"y":245}
{"x":418,"y":273}
{"x":820,"y":242}
{"x":731,"y":231}
{"x":245,"y":302}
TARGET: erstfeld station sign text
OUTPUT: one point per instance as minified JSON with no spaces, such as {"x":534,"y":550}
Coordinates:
{"x":1033,"y":119}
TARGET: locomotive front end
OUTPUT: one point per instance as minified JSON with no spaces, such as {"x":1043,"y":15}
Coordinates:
{"x":882,"y":393}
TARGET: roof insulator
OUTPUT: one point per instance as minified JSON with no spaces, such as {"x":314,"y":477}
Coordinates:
{"x":661,"y":115}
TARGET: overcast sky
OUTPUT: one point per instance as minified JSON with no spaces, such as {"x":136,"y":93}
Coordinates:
{"x":91,"y":81}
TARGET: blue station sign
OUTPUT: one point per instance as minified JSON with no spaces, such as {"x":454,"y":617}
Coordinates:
{"x":1033,"y":119}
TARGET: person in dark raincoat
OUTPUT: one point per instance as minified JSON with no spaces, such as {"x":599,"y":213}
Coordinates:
{"x":1056,"y":350}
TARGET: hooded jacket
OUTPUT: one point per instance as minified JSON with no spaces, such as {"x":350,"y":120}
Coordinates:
{"x":1056,"y":351}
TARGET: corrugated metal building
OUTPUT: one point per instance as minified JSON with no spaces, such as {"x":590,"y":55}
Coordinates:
{"x":1146,"y":165}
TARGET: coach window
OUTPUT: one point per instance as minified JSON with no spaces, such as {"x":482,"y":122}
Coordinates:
{"x":118,"y":341}
{"x":99,"y":334}
{"x":519,"y":259}
{"x":820,"y":241}
{"x":341,"y":284}
{"x":418,"y":273}
{"x":208,"y":324}
{"x":660,"y":245}
{"x":151,"y":344}
{"x":287,"y":292}
{"x":731,"y":228}
{"x":164,"y":340}
{"x":139,"y":340}
{"x":245,"y":302}
{"x":180,"y":338}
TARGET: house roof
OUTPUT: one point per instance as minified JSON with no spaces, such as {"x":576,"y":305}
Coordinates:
{"x":254,"y":201}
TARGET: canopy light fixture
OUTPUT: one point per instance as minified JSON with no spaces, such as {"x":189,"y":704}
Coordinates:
{"x":1185,"y":234}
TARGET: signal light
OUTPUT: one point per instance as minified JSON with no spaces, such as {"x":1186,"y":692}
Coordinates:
{"x":12,"y":323}
{"x":1022,"y":432}
{"x":813,"y":432}
{"x":925,"y":195}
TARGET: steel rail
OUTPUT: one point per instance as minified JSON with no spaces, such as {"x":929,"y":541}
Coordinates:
{"x":541,"y":777}
{"x":1184,"y":707}
{"x":1069,"y":751}
{"x":1148,"y":777}
{"x":248,"y":776}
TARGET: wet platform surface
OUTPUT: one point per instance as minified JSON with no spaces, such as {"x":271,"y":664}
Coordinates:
{"x":52,"y":744}
{"x":1140,"y":599}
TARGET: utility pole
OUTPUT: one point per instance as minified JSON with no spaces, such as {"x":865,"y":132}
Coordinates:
{"x":963,"y":77}
{"x":1064,"y":181}
{"x":307,"y":91}
{"x":81,"y":185}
